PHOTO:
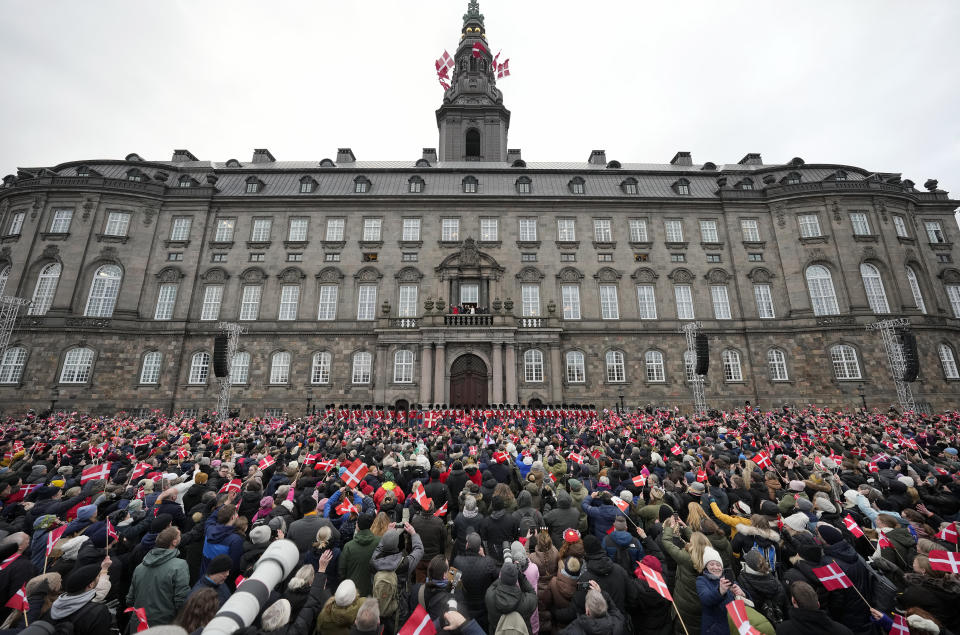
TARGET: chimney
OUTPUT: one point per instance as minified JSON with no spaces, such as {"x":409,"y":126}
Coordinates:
{"x":681,"y":158}
{"x":513,"y":155}
{"x":753,"y":158}
{"x":345,"y":155}
{"x":263,"y":155}
{"x":430,"y":155}
{"x":598,"y":157}
{"x":182,"y":156}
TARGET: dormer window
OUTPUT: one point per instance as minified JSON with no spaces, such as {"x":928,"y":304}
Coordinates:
{"x":254,"y":185}
{"x":745,"y":184}
{"x":307,"y":185}
{"x":577,"y":185}
{"x":327,"y":163}
{"x":839,"y":175}
{"x":629,"y":186}
{"x":519,"y":163}
{"x":83,"y":171}
{"x":186,"y":181}
{"x":682,"y":187}
{"x":415,"y":185}
{"x":792,"y":179}
{"x":233,"y":163}
{"x":613,"y":165}
{"x":523,"y":185}
{"x":361,"y":185}
{"x":470,"y":185}
{"x":135,"y":175}
{"x":422,"y":163}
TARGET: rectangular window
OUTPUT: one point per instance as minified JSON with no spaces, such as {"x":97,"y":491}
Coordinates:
{"x":212,"y":295}
{"x":254,"y":257}
{"x":223,"y":257}
{"x":604,"y":257}
{"x":647,"y":302}
{"x":260,"y":232}
{"x":469,"y":293}
{"x":470,"y":186}
{"x":361,"y":368}
{"x":684,"y":298}
{"x":306,"y":187}
{"x":331,"y":257}
{"x":523,"y":187}
{"x":900,"y":226}
{"x":328,"y":303}
{"x":944,"y":258}
{"x":61,"y":221}
{"x":861,"y":227}
{"x":371,"y":228}
{"x":321,"y":368}
{"x":934,"y":231}
{"x":240,"y":369}
{"x":568,"y":257}
{"x":570,"y":298}
{"x":411,"y":229}
{"x":755,"y":257}
{"x":360,"y":187}
{"x":117,"y":224}
{"x":953,"y":293}
{"x":601,"y":230}
{"x":674,"y":230}
{"x":528,"y":229}
{"x":530,"y":300}
{"x":253,"y":188}
{"x":289,"y":301}
{"x":713,"y":258}
{"x":150,"y":373}
{"x":764,"y":298}
{"x":566,"y":229}
{"x":180,"y":229}
{"x":450,"y":229}
{"x":488,"y":229}
{"x":295,"y":257}
{"x":609,"y":307}
{"x":577,"y":187}
{"x":750,"y":229}
{"x":407,"y":306}
{"x":641,"y":257}
{"x":16,"y":223}
{"x":335,"y":229}
{"x":809,"y":225}
{"x":166,"y":300}
{"x":678,"y":258}
{"x":175,"y":256}
{"x":638,"y":230}
{"x":408,"y":256}
{"x":416,"y":186}
{"x":367,"y":302}
{"x":225,"y":227}
{"x":528,"y":257}
{"x":250,"y":302}
{"x":708,"y":231}
{"x":297,"y":231}
{"x":721,"y":302}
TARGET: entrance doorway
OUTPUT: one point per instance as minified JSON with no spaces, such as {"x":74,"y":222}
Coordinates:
{"x":402,"y":405}
{"x":468,"y":381}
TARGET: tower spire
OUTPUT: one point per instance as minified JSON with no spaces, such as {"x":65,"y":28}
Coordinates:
{"x":473,"y":13}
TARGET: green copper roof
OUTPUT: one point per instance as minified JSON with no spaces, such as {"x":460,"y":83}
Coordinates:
{"x":473,"y":13}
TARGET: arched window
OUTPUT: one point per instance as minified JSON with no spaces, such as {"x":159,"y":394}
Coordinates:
{"x":361,"y":367}
{"x":654,"y":363}
{"x":689,"y":365}
{"x":240,"y":368}
{"x":822,"y":296}
{"x":616,"y":372}
{"x":199,"y":368}
{"x":76,"y":366}
{"x":473,"y":143}
{"x":470,"y":185}
{"x":45,"y":290}
{"x":845,"y":364}
{"x":873,"y":284}
{"x":777,"y":363}
{"x":576,"y":373}
{"x":11,"y":366}
{"x":150,"y":370}
{"x":320,"y":370}
{"x":731,"y":366}
{"x":403,"y":367}
{"x":947,"y":360}
{"x":533,"y":366}
{"x":103,"y":291}
{"x":915,"y":289}
{"x":280,"y":368}
{"x":4,"y":276}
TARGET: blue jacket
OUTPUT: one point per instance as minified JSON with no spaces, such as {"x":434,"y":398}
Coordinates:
{"x":623,"y":540}
{"x":713,"y":618}
{"x":221,"y":539}
{"x":523,"y":467}
{"x":206,"y":583}
{"x":599,"y":516}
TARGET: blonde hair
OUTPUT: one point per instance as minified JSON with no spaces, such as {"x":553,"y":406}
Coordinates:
{"x":695,"y":515}
{"x":504,"y":492}
{"x":323,"y":537}
{"x":380,"y":524}
{"x":303,"y":578}
{"x":698,"y":543}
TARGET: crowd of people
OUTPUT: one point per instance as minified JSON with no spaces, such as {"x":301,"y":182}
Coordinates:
{"x":540,"y":522}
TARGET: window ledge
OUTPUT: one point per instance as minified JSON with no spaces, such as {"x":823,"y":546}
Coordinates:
{"x":936,"y":246}
{"x":835,"y":320}
{"x":814,"y":240}
{"x":754,"y":244}
{"x":111,"y":238}
{"x":866,"y":238}
{"x":905,"y":240}
{"x":567,"y":244}
{"x":410,"y":244}
{"x":54,"y":235}
{"x":448,"y":243}
{"x":737,"y":382}
{"x":259,"y":244}
{"x":214,"y":244}
{"x":643,"y":245}
{"x":10,"y":238}
{"x":681,"y":245}
{"x":494,"y":244}
{"x":333,"y":244}
{"x":180,"y":244}
{"x":604,"y":244}
{"x":296,"y":244}
{"x":711,"y":246}
{"x":370,"y":244}
{"x":782,"y":381}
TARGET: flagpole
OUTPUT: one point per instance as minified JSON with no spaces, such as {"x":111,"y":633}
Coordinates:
{"x":680,"y":617}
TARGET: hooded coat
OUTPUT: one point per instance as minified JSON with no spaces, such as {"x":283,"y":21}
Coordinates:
{"x":937,"y":596}
{"x":611,"y":577}
{"x":221,"y":539}
{"x":502,"y":599}
{"x":904,"y":548}
{"x":479,"y":572}
{"x":564,"y":517}
{"x":501,"y":527}
{"x":600,"y":515}
{"x":612,"y":623}
{"x":713,"y":614}
{"x":526,"y":511}
{"x":354,"y":560}
{"x":748,"y":536}
{"x":337,"y":620}
{"x":86,"y":616}
{"x":160,"y":585}
{"x":808,"y":622}
{"x":685,"y":588}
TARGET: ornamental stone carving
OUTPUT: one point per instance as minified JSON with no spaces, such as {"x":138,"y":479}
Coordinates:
{"x":645,"y":274}
{"x":569,"y":274}
{"x":760,"y":275}
{"x":408,"y":274}
{"x":530,"y":274}
{"x":367,"y":274}
{"x":148,"y":214}
{"x":51,"y":251}
{"x":836,"y":212}
{"x":950,"y":276}
{"x":469,"y":256}
{"x":170,"y":274}
{"x":215,"y":274}
{"x":253,"y":275}
{"x":330,"y":274}
{"x":869,"y":252}
{"x":109,"y":253}
{"x":291,"y":275}
{"x":87,"y":209}
{"x":781,"y":216}
{"x":680,"y":276}
{"x":607,"y":275}
{"x":717,"y":276}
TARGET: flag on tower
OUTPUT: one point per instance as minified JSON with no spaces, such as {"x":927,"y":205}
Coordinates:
{"x":503,"y":70}
{"x":478,"y":50}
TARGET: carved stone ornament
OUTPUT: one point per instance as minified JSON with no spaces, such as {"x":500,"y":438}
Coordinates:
{"x":645,"y":274}
{"x":717,"y":276}
{"x":950,"y":276}
{"x":170,"y":274}
{"x":253,"y":275}
{"x":5,"y":253}
{"x":569,"y":274}
{"x":817,"y":254}
{"x":428,"y":305}
{"x":781,"y":216}
{"x":836,"y":212}
{"x":215,"y":275}
{"x":367,"y":274}
{"x":882,"y":207}
{"x":37,"y":204}
{"x":408,"y":274}
{"x":148,"y":214}
{"x":291,"y":275}
{"x":51,"y":251}
{"x":680,"y":275}
{"x":869,"y":252}
{"x":760,"y":275}
{"x":87,"y":209}
{"x":607,"y":275}
{"x":330,"y":274}
{"x":4,"y":206}
{"x":910,"y":254}
{"x":469,"y":256}
{"x":530,"y":274}
{"x":109,"y":253}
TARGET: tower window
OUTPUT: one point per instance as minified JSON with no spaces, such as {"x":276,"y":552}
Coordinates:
{"x":577,"y":186}
{"x":470,"y":185}
{"x":682,"y":187}
{"x":523,"y":185}
{"x":473,"y":144}
{"x":415,"y":185}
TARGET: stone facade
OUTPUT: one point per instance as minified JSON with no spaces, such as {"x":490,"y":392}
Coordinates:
{"x":412,"y":237}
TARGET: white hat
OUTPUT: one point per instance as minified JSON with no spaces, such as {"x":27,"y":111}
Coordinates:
{"x":711,"y":555}
{"x":906,"y":480}
{"x":797,"y":522}
{"x":346,"y":593}
{"x":742,"y":507}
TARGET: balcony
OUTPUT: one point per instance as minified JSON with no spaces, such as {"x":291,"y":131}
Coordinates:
{"x":404,"y":323}
{"x":532,"y":323}
{"x":468,"y":320}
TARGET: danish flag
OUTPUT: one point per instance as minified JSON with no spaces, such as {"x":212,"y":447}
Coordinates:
{"x":418,"y":624}
{"x":948,"y":561}
{"x":762,"y":460}
{"x":266,"y":462}
{"x":872,"y":467}
{"x":346,"y":507}
{"x":576,"y":458}
{"x":503,"y":70}
{"x":6,"y":563}
{"x":654,"y":581}
{"x":325,"y":466}
{"x":53,"y":536}
{"x":701,"y":476}
{"x":640,"y":480}
{"x":420,"y":496}
{"x":883,"y":542}
{"x":240,"y":580}
{"x":676,"y":450}
{"x":478,"y":50}
{"x":445,"y":61}
{"x":500,"y":457}
{"x":737,"y":611}
{"x":111,"y":531}
{"x":19,"y":600}
{"x":852,"y":526}
{"x":141,"y":615}
{"x":183,"y":453}
{"x":442,"y":511}
{"x":622,"y":504}
{"x":832,"y":577}
{"x":355,"y":473}
{"x":948,"y":533}
{"x":232,"y":486}
{"x":139,"y":470}
{"x":900,"y":626}
{"x":95,"y":473}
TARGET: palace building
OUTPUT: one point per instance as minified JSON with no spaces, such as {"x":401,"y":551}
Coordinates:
{"x":469,"y":276}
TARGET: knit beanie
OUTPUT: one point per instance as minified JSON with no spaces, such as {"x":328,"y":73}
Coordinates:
{"x":830,"y":534}
{"x":711,"y":555}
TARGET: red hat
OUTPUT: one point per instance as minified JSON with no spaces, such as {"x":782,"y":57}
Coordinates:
{"x":571,"y":535}
{"x":653,"y":563}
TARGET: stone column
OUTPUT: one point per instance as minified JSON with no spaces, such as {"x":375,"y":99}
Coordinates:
{"x":497,"y":373}
{"x":556,"y":374}
{"x":439,"y":370}
{"x":426,"y":372}
{"x":511,"y":374}
{"x":380,"y":376}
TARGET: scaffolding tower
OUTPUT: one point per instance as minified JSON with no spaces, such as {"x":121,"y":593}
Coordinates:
{"x":895,"y":360}
{"x":9,"y":308}
{"x":233,"y":332}
{"x":690,"y":331}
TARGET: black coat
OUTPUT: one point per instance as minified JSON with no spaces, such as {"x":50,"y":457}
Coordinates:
{"x":807,"y":622}
{"x":463,"y":526}
{"x":843,"y":605}
{"x":937,"y":596}
{"x":501,"y":527}
{"x":455,"y":484}
{"x":479,"y":572}
{"x":653,"y":614}
{"x":93,"y":618}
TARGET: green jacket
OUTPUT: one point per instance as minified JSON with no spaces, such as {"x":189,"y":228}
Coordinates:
{"x":354,"y":562}
{"x":685,"y":594}
{"x":338,"y":620}
{"x":161,"y":584}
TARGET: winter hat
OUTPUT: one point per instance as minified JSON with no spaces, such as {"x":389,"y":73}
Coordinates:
{"x":80,"y":578}
{"x":71,"y":548}
{"x":796,"y":522}
{"x":519,"y":554}
{"x":952,"y":451}
{"x":697,"y":488}
{"x":742,"y":508}
{"x":768,"y":508}
{"x":830,"y":534}
{"x":591,"y":545}
{"x":922,"y":624}
{"x":627,"y":496}
{"x":277,"y":616}
{"x":653,"y":563}
{"x":906,"y":480}
{"x":604,"y":481}
{"x":797,"y":486}
{"x":851,"y":496}
{"x":574,"y":485}
{"x":657,"y":493}
{"x":804,"y":505}
{"x":571,"y":567}
{"x":665,"y":512}
{"x":711,"y":555}
{"x":390,"y":542}
{"x":220,"y":564}
{"x":346,"y":593}
{"x":509,"y":574}
{"x":260,"y":535}
{"x":266,"y":501}
{"x":571,"y":535}
{"x":86,"y":512}
{"x":807,"y":548}
{"x":620,"y":523}
{"x":753,"y":560}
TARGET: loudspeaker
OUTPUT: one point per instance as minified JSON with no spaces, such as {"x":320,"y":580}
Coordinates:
{"x":908,"y":344}
{"x":703,"y":354}
{"x":220,"y":366}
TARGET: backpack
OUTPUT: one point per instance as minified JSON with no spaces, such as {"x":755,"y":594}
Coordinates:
{"x":769,"y":553}
{"x":883,"y":592}
{"x":386,"y":590}
{"x":511,"y":624}
{"x":623,"y":558}
{"x":771,"y":610}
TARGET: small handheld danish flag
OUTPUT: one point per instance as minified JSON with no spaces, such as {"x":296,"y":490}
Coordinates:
{"x":266,"y":462}
{"x":346,"y":507}
{"x":640,"y":480}
{"x":900,"y":625}
{"x":53,"y":536}
{"x":832,"y":577}
{"x":576,"y":458}
{"x":948,"y":561}
{"x":141,"y":615}
{"x":883,"y":542}
{"x":948,"y":533}
{"x":232,"y":486}
{"x":111,"y":531}
{"x":355,"y":473}
{"x":852,"y":526}
{"x":620,"y":503}
{"x":95,"y":473}
{"x":676,"y":450}
{"x":418,"y":624}
{"x":139,"y":470}
{"x":442,"y":511}
{"x":762,"y":460}
{"x":654,"y":581}
{"x":737,"y":611}
{"x":6,"y":563}
{"x":19,"y":600}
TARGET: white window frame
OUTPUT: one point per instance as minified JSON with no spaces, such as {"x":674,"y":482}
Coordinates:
{"x":46,"y":289}
{"x":335,"y":230}
{"x":62,"y":218}
{"x":212,"y":300}
{"x":450,"y":229}
{"x":250,"y":302}
{"x":823,"y":295}
{"x":609,"y":304}
{"x":280,"y":368}
{"x":732,"y":370}
{"x":873,"y":285}
{"x":750,"y":229}
{"x":289,"y":302}
{"x":935,"y":231}
{"x":533,"y":366}
{"x":647,"y":301}
{"x":763,"y":295}
{"x":166,"y":301}
{"x":721,"y":302}
{"x":566,"y":230}
{"x":150,"y":368}
{"x":225,"y":230}
{"x":777,"y":365}
{"x":180,"y":228}
{"x":683,"y":294}
{"x":12,"y":365}
{"x":948,"y":362}
{"x":240,"y":368}
{"x":489,"y":230}
{"x":953,"y":294}
{"x":616,"y":372}
{"x":900,"y":225}
{"x":709,"y":232}
{"x":570,"y":301}
{"x":327,"y":304}
{"x":673,"y":229}
{"x":199,"y":368}
{"x":407,"y":301}
{"x":260,"y":230}
{"x":528,"y":229}
{"x":469,"y":293}
{"x":914,"y":283}
{"x":320,"y":368}
{"x":846,"y":364}
{"x":653,"y":362}
{"x":860,"y":223}
{"x":118,"y":223}
{"x":362,"y":363}
{"x":298,"y":230}
{"x":372,"y":229}
{"x":602,"y":231}
{"x":638,"y":230}
{"x":77,"y":366}
{"x":403,"y":367}
{"x":104,"y":289}
{"x":411,"y":230}
{"x":575,"y":367}
{"x":16,"y":223}
{"x":809,"y":225}
{"x":530,"y":300}
{"x":367,"y":302}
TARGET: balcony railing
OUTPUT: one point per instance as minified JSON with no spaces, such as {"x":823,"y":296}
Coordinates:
{"x":404,"y":323}
{"x":468,"y":320}
{"x":532,"y":323}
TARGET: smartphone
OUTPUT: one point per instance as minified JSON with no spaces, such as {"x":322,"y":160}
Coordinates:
{"x":406,"y":514}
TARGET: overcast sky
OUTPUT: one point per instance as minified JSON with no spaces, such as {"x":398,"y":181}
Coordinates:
{"x":872,"y":83}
